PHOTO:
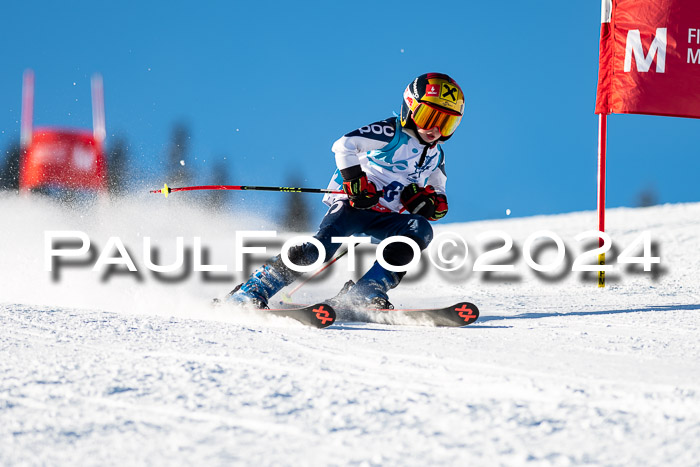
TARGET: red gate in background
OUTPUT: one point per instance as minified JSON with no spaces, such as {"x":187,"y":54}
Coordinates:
{"x":59,"y":157}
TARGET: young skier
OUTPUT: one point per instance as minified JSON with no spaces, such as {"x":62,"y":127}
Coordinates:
{"x":392,"y":173}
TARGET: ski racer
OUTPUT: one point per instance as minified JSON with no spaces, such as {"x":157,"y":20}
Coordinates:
{"x":392,"y":173}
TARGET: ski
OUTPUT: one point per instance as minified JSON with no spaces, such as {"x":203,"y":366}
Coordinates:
{"x":320,"y":315}
{"x":457,"y":315}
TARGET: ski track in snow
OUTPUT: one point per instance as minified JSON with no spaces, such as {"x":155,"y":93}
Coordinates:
{"x":553,"y":373}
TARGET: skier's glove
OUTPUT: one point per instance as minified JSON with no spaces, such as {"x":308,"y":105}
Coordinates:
{"x":361,"y":192}
{"x":440,"y":207}
{"x":424,"y":201}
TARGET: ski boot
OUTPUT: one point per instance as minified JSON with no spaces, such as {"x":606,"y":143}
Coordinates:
{"x":370,"y":295}
{"x":380,"y":303}
{"x":341,"y":298}
{"x":238,"y":297}
{"x":265,"y":282}
{"x":359,"y":297}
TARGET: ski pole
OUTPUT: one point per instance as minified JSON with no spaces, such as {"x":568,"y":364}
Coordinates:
{"x":166,"y":190}
{"x":287,"y":297}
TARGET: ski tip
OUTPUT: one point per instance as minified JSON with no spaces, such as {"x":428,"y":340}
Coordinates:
{"x":467,"y":311}
{"x":322,"y":315}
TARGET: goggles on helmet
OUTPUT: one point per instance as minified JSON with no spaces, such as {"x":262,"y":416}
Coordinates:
{"x":427,"y":117}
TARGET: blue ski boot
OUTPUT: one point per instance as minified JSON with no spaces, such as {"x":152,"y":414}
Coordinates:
{"x":265,"y":282}
{"x":370,"y":292}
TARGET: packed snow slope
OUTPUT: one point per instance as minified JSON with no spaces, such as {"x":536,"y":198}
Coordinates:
{"x":110,"y":367}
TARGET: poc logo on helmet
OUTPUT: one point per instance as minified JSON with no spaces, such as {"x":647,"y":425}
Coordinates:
{"x":377,"y":130}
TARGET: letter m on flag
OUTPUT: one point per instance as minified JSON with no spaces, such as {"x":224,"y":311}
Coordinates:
{"x":634,"y":47}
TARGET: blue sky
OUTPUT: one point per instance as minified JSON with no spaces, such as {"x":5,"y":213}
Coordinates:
{"x":270,"y":86}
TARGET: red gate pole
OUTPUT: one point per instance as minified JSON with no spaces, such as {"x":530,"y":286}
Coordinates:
{"x":602,"y":143}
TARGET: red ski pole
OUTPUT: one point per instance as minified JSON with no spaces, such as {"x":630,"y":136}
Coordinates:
{"x":166,"y":190}
{"x":287,"y":297}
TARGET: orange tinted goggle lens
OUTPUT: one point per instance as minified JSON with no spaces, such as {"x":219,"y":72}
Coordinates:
{"x":427,"y":117}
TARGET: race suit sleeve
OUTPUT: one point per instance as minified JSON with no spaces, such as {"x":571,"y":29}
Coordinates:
{"x":438,"y":179}
{"x":368,"y":138}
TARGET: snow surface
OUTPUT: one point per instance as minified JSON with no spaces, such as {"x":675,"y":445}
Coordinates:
{"x":555,"y":372}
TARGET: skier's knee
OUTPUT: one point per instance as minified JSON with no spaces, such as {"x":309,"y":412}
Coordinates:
{"x":303,"y":255}
{"x":398,"y":254}
{"x":421,"y":231}
{"x":401,"y":253}
{"x":307,"y":253}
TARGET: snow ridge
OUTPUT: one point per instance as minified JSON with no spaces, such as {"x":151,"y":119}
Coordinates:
{"x":554,"y":373}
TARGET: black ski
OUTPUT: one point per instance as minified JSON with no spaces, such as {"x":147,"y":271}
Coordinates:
{"x":459,"y":314}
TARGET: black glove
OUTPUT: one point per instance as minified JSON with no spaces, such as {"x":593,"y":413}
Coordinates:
{"x":424,"y":201}
{"x":361,"y":192}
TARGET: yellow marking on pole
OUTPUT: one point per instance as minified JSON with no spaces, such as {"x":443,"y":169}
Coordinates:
{"x":165,"y":190}
{"x":601,"y":274}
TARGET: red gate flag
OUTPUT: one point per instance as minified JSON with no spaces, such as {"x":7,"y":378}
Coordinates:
{"x":60,"y":157}
{"x":650,"y":58}
{"x":64,"y":158}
